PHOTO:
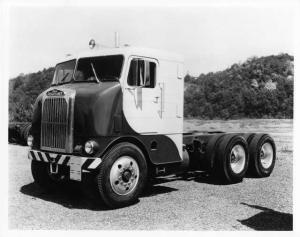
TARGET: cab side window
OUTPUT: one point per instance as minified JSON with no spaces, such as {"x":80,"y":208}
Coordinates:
{"x":142,"y":73}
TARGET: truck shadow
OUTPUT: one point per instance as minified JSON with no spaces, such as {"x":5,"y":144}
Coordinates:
{"x":153,"y":190}
{"x":196,"y":176}
{"x":268,"y":220}
{"x":68,"y":196}
{"x":72,"y":197}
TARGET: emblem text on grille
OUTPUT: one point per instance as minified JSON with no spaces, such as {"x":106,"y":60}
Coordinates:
{"x":55,"y":92}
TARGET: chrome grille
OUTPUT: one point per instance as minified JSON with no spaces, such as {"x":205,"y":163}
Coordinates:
{"x":55,"y":124}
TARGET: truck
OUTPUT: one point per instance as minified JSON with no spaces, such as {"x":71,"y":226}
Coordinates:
{"x":113,"y":119}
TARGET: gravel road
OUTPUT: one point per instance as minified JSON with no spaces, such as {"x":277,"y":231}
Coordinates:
{"x":195,"y":202}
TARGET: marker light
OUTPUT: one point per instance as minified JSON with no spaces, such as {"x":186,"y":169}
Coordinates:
{"x":30,"y":140}
{"x":92,"y":43}
{"x":90,"y":147}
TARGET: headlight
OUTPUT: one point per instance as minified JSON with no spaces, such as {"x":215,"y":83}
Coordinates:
{"x":90,"y":147}
{"x":30,"y":140}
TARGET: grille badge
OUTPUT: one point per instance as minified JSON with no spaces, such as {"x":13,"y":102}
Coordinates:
{"x":55,"y":92}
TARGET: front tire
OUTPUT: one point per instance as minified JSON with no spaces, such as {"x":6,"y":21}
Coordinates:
{"x":122,"y":175}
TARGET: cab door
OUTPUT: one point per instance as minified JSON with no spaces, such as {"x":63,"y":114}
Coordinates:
{"x":142,"y":95}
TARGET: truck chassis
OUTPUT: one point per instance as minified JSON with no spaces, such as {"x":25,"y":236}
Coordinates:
{"x":122,"y":173}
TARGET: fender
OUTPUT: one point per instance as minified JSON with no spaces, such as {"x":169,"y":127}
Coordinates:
{"x":130,"y":139}
{"x":158,"y":149}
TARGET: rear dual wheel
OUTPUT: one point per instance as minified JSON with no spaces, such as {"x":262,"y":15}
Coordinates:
{"x":234,"y":155}
{"x":262,"y":155}
{"x":232,"y":159}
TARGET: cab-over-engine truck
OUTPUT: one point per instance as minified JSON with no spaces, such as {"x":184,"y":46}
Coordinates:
{"x":112,"y":118}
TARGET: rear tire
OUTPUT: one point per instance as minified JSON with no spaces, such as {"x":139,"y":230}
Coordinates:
{"x":122,"y":175}
{"x":248,"y":137}
{"x":232,"y":159}
{"x":262,"y":152}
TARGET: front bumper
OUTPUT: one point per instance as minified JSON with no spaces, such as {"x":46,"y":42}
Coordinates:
{"x":77,"y":164}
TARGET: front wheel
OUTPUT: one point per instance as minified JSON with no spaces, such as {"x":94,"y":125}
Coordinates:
{"x":122,"y":175}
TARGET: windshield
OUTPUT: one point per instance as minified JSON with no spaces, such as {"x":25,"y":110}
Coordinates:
{"x":64,"y":72}
{"x":102,"y":68}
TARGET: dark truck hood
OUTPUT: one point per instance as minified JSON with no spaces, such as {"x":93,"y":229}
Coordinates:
{"x":97,"y":109}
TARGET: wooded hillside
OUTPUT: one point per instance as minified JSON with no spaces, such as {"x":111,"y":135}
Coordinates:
{"x":258,"y":88}
{"x":23,"y":91}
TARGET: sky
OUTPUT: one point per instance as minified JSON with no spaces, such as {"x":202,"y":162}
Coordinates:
{"x":210,"y":38}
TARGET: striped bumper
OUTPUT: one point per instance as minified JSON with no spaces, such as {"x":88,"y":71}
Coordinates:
{"x":77,"y":164}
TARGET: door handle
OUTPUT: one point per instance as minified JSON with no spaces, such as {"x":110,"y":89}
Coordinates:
{"x":156,"y":99}
{"x":130,"y":88}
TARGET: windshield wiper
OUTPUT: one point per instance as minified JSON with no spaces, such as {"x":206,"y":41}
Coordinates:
{"x":95,"y":72}
{"x":110,"y":78}
{"x":64,"y":78}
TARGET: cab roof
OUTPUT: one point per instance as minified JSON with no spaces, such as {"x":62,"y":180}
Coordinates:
{"x":127,"y":51}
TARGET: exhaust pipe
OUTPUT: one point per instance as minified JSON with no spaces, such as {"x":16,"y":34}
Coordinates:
{"x":117,"y":40}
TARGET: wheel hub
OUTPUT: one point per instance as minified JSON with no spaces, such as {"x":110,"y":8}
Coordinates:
{"x":237,"y":158}
{"x":124,"y":175}
{"x":266,"y":155}
{"x":233,"y":158}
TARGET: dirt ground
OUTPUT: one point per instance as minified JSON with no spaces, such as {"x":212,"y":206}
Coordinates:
{"x":173,"y":203}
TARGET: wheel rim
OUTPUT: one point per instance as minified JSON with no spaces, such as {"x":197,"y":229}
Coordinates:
{"x":266,"y":155}
{"x":237,"y":159}
{"x":124,"y":175}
